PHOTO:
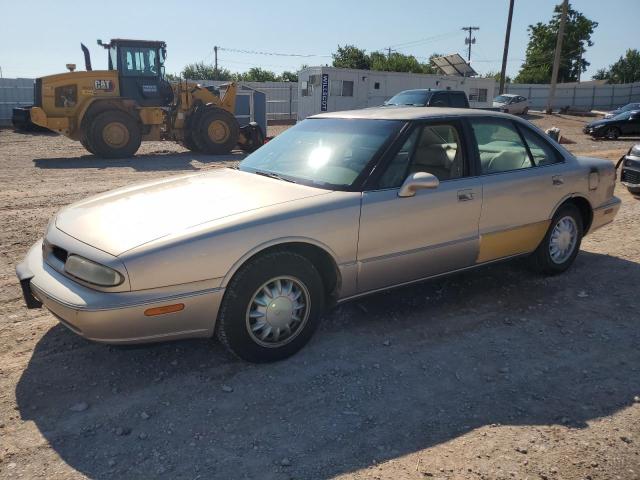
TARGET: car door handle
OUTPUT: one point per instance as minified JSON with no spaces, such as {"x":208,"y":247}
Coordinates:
{"x":557,"y":180}
{"x":465,"y":195}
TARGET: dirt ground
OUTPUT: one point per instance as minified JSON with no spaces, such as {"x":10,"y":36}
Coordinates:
{"x":496,"y":373}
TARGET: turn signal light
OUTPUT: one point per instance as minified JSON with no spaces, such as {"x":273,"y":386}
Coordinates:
{"x":176,"y":307}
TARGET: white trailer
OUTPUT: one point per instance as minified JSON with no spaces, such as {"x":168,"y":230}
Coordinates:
{"x":329,"y":89}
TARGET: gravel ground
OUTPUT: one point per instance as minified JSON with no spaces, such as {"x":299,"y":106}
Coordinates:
{"x":492,"y":374}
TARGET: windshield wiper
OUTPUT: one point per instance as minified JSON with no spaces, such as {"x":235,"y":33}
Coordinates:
{"x":274,"y":175}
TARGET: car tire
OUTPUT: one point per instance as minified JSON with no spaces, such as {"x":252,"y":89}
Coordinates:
{"x":260,"y":328}
{"x":565,"y":230}
{"x":114,"y":134}
{"x":525,"y":111}
{"x":612,"y":133}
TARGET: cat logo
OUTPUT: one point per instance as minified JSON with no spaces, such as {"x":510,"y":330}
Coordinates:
{"x":104,"y":85}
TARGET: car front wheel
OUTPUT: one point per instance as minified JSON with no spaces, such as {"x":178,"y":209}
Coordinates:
{"x":561,"y":244}
{"x":612,"y":133}
{"x":271,"y":308}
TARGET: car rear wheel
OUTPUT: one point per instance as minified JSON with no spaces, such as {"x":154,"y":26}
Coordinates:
{"x":612,"y":133}
{"x":561,"y":244}
{"x":271,"y":307}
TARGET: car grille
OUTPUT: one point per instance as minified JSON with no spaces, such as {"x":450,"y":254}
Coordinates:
{"x":37,"y":93}
{"x":630,"y":176}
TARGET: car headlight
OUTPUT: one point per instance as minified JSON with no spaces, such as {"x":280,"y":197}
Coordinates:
{"x":92,"y":272}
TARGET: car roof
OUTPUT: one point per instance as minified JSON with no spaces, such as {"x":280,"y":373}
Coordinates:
{"x":508,"y":95}
{"x":410,"y":113}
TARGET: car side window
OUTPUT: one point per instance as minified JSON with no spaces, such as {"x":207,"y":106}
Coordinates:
{"x":457,"y":100}
{"x":439,"y":100}
{"x":435,"y":149}
{"x":542,"y":153}
{"x":500,"y":146}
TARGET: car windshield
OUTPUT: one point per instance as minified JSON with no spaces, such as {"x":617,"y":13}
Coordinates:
{"x":623,"y":115}
{"x":502,"y":99}
{"x":324,"y":152}
{"x":410,"y":97}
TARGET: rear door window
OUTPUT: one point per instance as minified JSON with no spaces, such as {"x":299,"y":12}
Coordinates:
{"x":542,"y":153}
{"x":500,"y":146}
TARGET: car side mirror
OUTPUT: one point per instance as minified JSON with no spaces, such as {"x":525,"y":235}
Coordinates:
{"x":418,"y":181}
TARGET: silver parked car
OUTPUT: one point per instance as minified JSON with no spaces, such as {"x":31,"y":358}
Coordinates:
{"x":341,"y":205}
{"x":510,"y":103}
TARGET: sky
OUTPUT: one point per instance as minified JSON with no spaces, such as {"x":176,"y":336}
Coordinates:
{"x":39,"y":37}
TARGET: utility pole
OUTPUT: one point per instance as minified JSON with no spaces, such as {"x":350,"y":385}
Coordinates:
{"x":215,"y":64}
{"x":556,"y":58}
{"x":470,"y":40}
{"x":505,"y":53}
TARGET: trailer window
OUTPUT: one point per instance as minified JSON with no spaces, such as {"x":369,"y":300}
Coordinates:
{"x":478,"y":94}
{"x":341,"y":88}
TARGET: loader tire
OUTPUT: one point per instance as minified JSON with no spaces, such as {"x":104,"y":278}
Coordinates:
{"x":216,"y":132}
{"x":114,"y":134}
{"x":189,"y":143}
{"x":84,"y":140}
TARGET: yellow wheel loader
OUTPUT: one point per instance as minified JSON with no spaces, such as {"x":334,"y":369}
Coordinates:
{"x":111,"y":111}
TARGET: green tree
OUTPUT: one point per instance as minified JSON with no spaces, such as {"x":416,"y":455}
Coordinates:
{"x":430,"y":67}
{"x":350,"y":56}
{"x":601,"y":74}
{"x":288,"y":76}
{"x":495,"y":76}
{"x":396,"y":62}
{"x":203,"y":71}
{"x":625,"y":70}
{"x":257,"y":74}
{"x":542,"y":41}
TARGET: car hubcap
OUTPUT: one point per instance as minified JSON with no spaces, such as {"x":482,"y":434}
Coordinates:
{"x":563,"y":240}
{"x":611,"y":133}
{"x":278,"y":311}
{"x":115,"y":134}
{"x":218,"y":131}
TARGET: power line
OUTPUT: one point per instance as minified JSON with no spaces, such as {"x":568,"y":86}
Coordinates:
{"x":422,"y":40}
{"x":274,"y":54}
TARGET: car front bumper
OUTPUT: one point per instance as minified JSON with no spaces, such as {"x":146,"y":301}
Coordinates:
{"x":594,"y":132}
{"x":630,"y":173}
{"x":118,"y":317}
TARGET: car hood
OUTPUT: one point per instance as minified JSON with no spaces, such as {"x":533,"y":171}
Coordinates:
{"x":126,"y":218}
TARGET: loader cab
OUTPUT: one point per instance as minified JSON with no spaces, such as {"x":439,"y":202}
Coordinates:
{"x":140,"y":66}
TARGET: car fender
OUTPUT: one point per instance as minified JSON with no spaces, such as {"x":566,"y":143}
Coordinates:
{"x":274,"y":243}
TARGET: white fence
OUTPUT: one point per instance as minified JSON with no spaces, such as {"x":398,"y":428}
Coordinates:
{"x":282,"y":97}
{"x":578,"y":96}
{"x":14,"y":92}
